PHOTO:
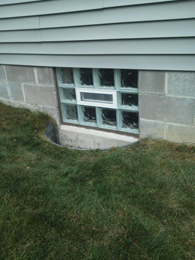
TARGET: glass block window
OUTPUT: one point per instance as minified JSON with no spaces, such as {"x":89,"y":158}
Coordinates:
{"x":104,"y":98}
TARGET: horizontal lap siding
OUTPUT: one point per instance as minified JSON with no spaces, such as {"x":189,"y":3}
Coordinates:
{"x":114,"y":3}
{"x":155,"y":46}
{"x":19,"y":24}
{"x":140,"y":62}
{"x":163,"y":29}
{"x":49,"y":7}
{"x":11,"y":2}
{"x":105,"y":2}
{"x":141,"y":13}
{"x":126,"y":14}
{"x":64,"y":6}
{"x":148,"y":34}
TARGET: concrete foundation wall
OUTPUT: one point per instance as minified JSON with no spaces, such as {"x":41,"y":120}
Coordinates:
{"x":166,"y":100}
{"x":167,"y":105}
{"x":30,"y":87}
{"x":83,"y":138}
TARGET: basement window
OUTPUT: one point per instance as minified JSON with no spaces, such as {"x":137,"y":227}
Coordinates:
{"x":104,"y":98}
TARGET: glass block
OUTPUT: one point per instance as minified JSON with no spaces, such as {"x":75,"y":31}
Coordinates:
{"x":130,"y":120}
{"x":86,"y":77}
{"x":128,"y":99}
{"x":68,"y":94}
{"x":96,"y":97}
{"x":71,"y":112}
{"x":106,"y":77}
{"x":109,"y":117}
{"x":129,"y":78}
{"x":89,"y":114}
{"x":67,"y":75}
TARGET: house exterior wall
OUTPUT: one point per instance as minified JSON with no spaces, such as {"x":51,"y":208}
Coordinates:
{"x":30,"y":87}
{"x":131,"y":34}
{"x":155,"y":37}
{"x":166,"y":105}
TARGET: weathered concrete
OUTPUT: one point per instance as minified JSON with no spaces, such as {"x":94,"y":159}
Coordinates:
{"x":4,"y":90}
{"x":151,"y":129}
{"x":169,"y":99}
{"x":45,"y":76}
{"x":16,"y":91}
{"x":181,"y":133}
{"x":53,"y":112}
{"x":20,"y":74}
{"x":79,"y":137}
{"x":181,"y":84}
{"x":13,"y":103}
{"x":40,"y":95}
{"x":180,"y":110}
{"x":152,"y":82}
{"x":152,"y":107}
{"x":29,"y":87}
{"x":2,"y":73}
{"x":166,"y":108}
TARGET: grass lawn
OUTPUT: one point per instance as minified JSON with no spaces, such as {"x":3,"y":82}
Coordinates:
{"x":127,"y":203}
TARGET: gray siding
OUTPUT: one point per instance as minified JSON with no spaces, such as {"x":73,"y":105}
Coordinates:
{"x":9,"y":2}
{"x":136,"y":34}
{"x":136,"y":46}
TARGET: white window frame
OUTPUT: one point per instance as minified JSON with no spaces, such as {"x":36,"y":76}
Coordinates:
{"x":92,"y":102}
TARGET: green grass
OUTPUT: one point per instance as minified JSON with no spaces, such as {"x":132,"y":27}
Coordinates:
{"x":131,"y":203}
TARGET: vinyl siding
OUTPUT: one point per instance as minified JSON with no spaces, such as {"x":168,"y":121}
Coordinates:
{"x":140,"y":62}
{"x":137,"y":46}
{"x":141,"y":34}
{"x":11,"y":2}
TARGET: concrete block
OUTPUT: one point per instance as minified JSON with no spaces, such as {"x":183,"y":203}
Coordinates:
{"x":164,"y":108}
{"x":151,"y":129}
{"x":180,"y":110}
{"x":181,"y":133}
{"x":181,"y":84}
{"x":4,"y":94}
{"x":2,"y":73}
{"x":152,"y":107}
{"x":20,"y":74}
{"x":42,"y":96}
{"x":152,"y":82}
{"x":16,"y":91}
{"x":45,"y":76}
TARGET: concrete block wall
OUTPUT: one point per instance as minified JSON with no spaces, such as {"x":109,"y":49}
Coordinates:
{"x":167,"y":105}
{"x":166,"y":99}
{"x":30,"y":87}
